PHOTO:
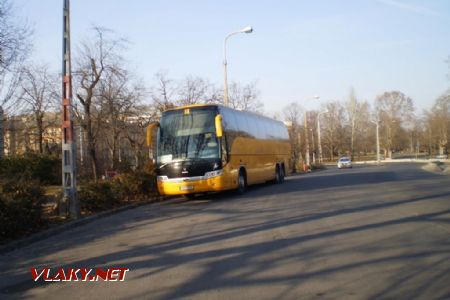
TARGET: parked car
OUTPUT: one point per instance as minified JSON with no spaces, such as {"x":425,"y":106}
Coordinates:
{"x":344,"y":162}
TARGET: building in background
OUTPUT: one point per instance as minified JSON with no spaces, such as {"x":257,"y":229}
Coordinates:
{"x":21,"y":135}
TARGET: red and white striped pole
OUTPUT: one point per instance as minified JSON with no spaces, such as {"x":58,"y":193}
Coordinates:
{"x":69,"y":168}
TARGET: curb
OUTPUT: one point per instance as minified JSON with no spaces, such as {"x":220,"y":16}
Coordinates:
{"x":38,"y":236}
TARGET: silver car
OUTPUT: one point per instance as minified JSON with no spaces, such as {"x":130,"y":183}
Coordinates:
{"x":344,"y":162}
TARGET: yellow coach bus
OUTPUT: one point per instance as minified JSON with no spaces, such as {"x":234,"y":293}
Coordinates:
{"x":209,"y":148}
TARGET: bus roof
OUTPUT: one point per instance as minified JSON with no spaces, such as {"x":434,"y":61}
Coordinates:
{"x":190,"y":106}
{"x":220,"y":105}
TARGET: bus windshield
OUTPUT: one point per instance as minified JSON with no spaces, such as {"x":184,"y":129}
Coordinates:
{"x":187,"y":134}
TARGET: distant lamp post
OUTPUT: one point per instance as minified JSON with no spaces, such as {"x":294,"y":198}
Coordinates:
{"x":318,"y":136}
{"x":313,"y":147}
{"x":308,"y":164}
{"x":377,"y":123}
{"x":247,"y":29}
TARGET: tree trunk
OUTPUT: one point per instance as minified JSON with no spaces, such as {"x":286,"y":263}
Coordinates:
{"x":113,"y":151}
{"x":91,"y":147}
{"x":93,"y":159}
{"x":40,"y":132}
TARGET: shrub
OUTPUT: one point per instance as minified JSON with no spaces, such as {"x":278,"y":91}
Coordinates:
{"x":104,"y":195}
{"x":44,"y":168}
{"x":20,"y":209}
{"x":138,"y":185}
{"x":124,"y":166}
{"x":98,"y":196}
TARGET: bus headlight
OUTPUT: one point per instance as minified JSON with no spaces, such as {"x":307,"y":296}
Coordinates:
{"x":162,"y":178}
{"x":213,"y":174}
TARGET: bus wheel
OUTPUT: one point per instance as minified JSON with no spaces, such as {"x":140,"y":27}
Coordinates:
{"x":189,"y":196}
{"x":242,"y":183}
{"x":278,"y":178}
{"x":282,"y":174}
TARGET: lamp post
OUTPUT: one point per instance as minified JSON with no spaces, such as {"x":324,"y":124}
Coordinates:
{"x":306,"y":141}
{"x":319,"y":141}
{"x":313,"y":147}
{"x":377,"y":122}
{"x":247,"y":29}
{"x":307,"y":158}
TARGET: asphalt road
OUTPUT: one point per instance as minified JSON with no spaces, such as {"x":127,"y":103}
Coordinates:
{"x":363,"y":233}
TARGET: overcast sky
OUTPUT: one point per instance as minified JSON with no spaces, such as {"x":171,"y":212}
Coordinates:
{"x":298,"y":48}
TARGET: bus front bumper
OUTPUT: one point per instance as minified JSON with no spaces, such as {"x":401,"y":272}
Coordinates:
{"x":211,"y":182}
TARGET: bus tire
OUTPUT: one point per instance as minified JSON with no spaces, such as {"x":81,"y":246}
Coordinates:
{"x":282,"y":173}
{"x":189,"y":196}
{"x":242,"y":182}
{"x":277,"y":179}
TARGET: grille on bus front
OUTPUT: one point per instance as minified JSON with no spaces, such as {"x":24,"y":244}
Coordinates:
{"x":188,"y":168}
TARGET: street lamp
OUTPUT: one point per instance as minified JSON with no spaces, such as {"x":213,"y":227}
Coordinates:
{"x":318,"y":135}
{"x":306,"y":135}
{"x":247,"y":29}
{"x":377,"y":122}
{"x":313,"y":147}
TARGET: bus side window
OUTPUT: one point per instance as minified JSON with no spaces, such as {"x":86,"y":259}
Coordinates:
{"x":252,"y":126}
{"x":230,"y":132}
{"x":242,"y":124}
{"x":277,"y":134}
{"x":229,"y":121}
{"x":262,"y":129}
{"x":270,"y":130}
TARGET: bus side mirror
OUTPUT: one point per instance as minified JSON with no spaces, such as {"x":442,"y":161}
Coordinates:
{"x":150,"y":129}
{"x":218,"y":121}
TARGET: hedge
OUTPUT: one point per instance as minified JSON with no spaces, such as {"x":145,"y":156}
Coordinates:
{"x":43,"y":168}
{"x":126,"y":187}
{"x":20,"y":209}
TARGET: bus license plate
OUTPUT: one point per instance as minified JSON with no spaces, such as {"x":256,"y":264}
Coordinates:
{"x":187,"y":188}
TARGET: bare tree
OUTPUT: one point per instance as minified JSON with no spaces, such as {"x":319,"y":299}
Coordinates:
{"x":359,"y":123}
{"x":439,"y":120}
{"x":293,"y":113}
{"x":352,"y":111}
{"x":14,"y":49}
{"x":39,"y":94}
{"x":393,"y":108}
{"x":120,"y":99}
{"x":96,"y":57}
{"x":134,"y":132}
{"x":163,"y":92}
{"x":193,"y":90}
{"x":114,"y":103}
{"x":364,"y":129}
{"x":245,"y":97}
{"x":334,"y":137}
{"x":14,"y":41}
